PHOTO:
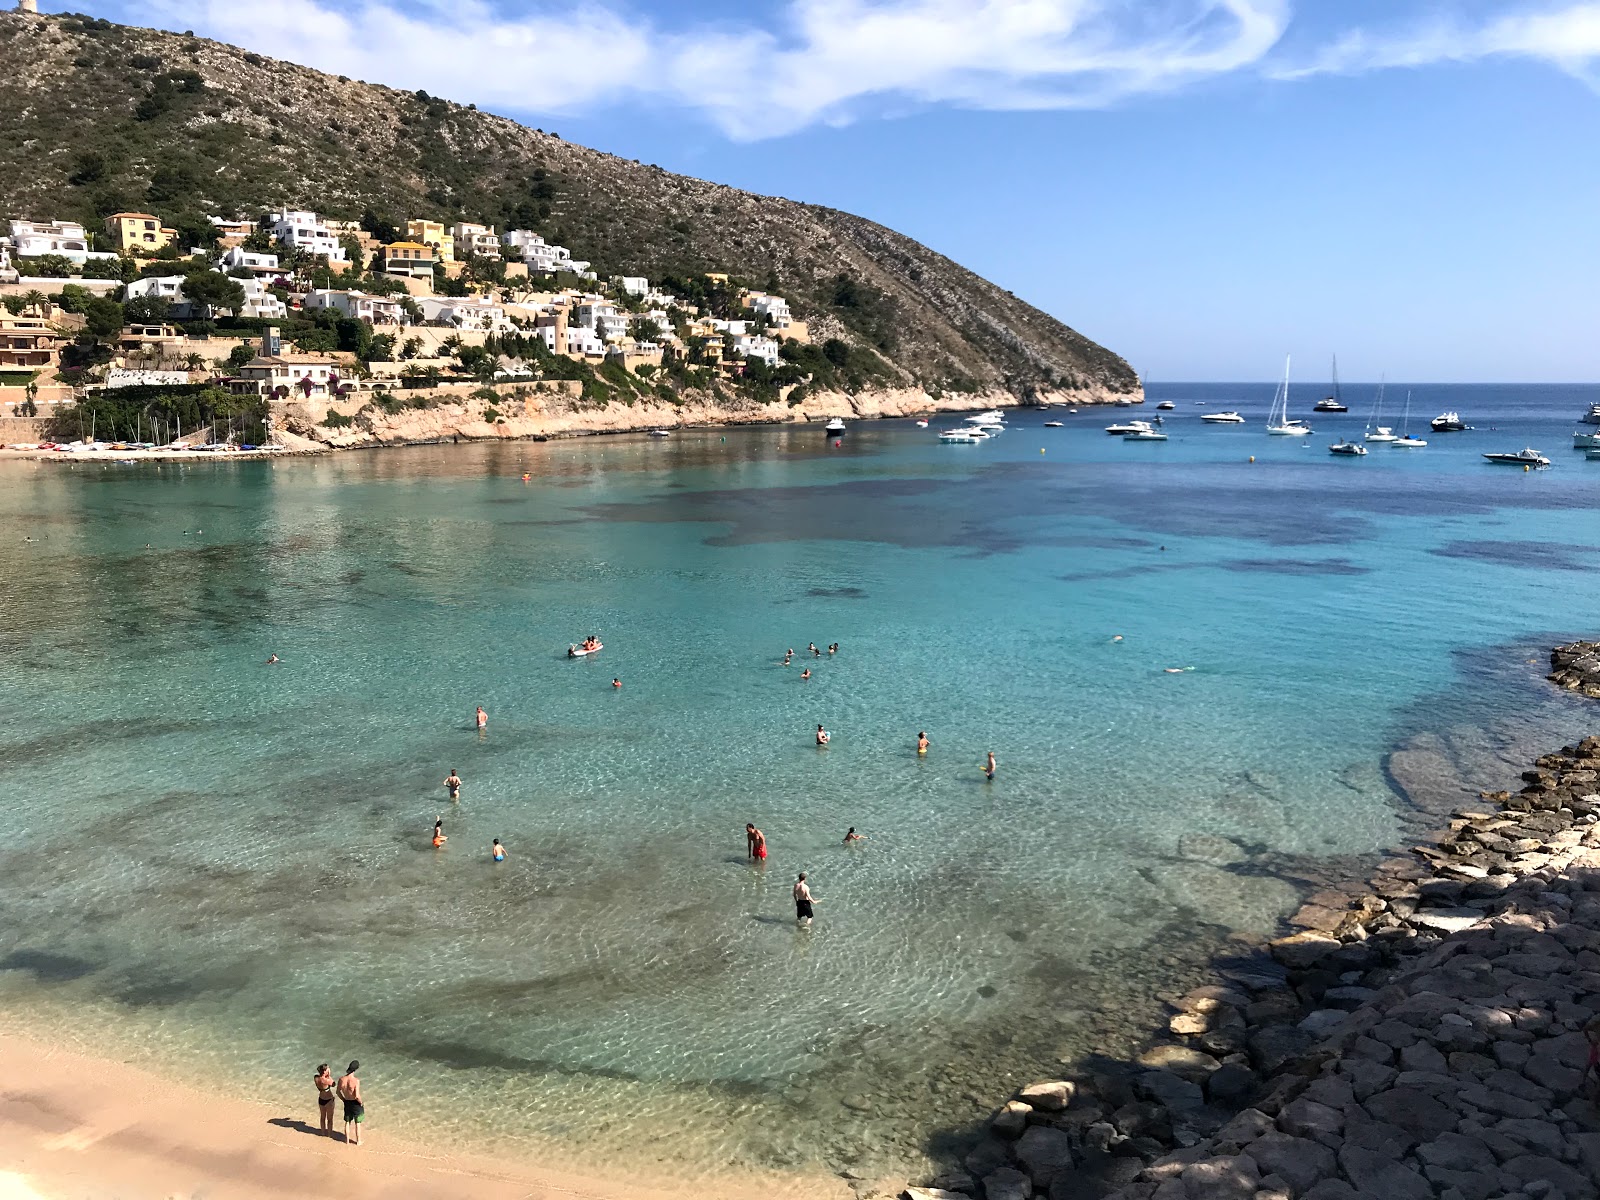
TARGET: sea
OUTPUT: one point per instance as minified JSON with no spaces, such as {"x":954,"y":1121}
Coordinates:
{"x":1198,"y":663}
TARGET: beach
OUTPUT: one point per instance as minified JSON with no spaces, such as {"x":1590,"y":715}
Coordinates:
{"x":74,"y":1127}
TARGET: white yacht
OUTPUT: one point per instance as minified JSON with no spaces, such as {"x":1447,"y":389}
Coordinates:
{"x":1279,"y":423}
{"x":1382,"y":434}
{"x":1348,"y":449}
{"x":1166,"y":405}
{"x":963,"y":436}
{"x":1405,"y":441}
{"x":1222,"y":418}
{"x":1447,"y":422}
{"x":1123,"y":428}
{"x":1585,"y":441}
{"x":835,"y":426}
{"x":659,"y":433}
{"x":1053,"y":424}
{"x":1527,"y":458}
{"x":1592,"y":417}
{"x":993,"y":417}
{"x":1145,"y":435}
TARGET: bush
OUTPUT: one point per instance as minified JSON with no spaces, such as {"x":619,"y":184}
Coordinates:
{"x":337,"y":420}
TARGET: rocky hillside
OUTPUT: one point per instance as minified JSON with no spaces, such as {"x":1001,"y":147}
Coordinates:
{"x":104,"y":117}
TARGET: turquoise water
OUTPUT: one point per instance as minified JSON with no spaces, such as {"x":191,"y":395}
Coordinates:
{"x":231,"y":860}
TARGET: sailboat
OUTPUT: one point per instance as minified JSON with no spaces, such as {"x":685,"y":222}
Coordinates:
{"x":1335,"y":402}
{"x":1278,"y":422}
{"x":1405,"y":439}
{"x":1375,"y":432}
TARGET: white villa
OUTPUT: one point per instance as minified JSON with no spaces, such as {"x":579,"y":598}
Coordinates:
{"x":33,"y":239}
{"x":634,"y":285}
{"x":375,"y":310}
{"x":764,"y":348}
{"x":602,"y":317}
{"x":265,"y":264}
{"x":475,"y":239}
{"x":302,"y":375}
{"x":302,"y":231}
{"x":540,"y":255}
{"x":477,"y":313}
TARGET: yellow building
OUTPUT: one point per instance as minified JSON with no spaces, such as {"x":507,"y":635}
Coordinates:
{"x":132,"y":231}
{"x":435,"y":234}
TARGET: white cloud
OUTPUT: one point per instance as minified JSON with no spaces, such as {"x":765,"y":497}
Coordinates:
{"x":818,"y":61}
{"x":1566,"y":36}
{"x":836,"y":61}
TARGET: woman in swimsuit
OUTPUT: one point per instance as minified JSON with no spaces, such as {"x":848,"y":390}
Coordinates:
{"x":323,"y":1080}
{"x":439,"y":837}
{"x":922,"y":743}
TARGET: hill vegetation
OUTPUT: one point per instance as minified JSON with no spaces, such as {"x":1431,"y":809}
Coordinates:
{"x":104,"y":117}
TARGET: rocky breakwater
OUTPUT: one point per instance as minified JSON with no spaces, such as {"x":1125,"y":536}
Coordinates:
{"x":1576,"y":667}
{"x":1425,"y":1034}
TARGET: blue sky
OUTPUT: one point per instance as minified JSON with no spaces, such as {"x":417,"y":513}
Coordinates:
{"x":1202,"y":185}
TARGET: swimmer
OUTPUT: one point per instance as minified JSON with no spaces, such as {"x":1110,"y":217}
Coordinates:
{"x":525,"y":478}
{"x":988,"y":767}
{"x":1117,"y":638}
{"x":439,"y":837}
{"x":498,"y":851}
{"x":616,"y":683}
{"x":806,"y":674}
{"x":755,"y":842}
{"x":922,"y":743}
{"x":833,"y":648}
{"x":852,"y":836}
{"x":452,"y":783}
{"x":822,"y":736}
{"x":812,"y":646}
{"x":1176,"y":670}
{"x":272,"y":660}
{"x":483,"y":718}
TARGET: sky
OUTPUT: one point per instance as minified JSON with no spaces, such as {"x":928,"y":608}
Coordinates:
{"x":1203,"y":186}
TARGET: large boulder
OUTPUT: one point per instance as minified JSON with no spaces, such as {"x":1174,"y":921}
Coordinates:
{"x":1007,"y":1184}
{"x":1044,"y":1153}
{"x":1048,"y":1097}
{"x":1299,"y":1161}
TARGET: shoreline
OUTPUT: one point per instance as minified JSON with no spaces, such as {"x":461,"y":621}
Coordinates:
{"x":94,"y":1128}
{"x":1424,"y":1028}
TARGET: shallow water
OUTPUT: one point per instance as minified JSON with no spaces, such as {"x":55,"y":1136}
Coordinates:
{"x":231,"y":860}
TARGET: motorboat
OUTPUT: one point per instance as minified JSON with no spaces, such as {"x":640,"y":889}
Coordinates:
{"x":1334,"y":403}
{"x":1166,"y":405}
{"x":962,"y":436}
{"x":922,"y":424}
{"x":1448,"y":422}
{"x":1123,"y":428}
{"x":993,"y":417}
{"x":1592,"y":417}
{"x":1592,"y":455}
{"x":1145,"y":435}
{"x":1382,"y":434}
{"x":834,"y":427}
{"x":1348,"y":449}
{"x":1279,"y":423}
{"x":1053,"y":424}
{"x":584,"y":651}
{"x":660,"y":433}
{"x":1409,"y":443}
{"x":1222,"y":418}
{"x":978,"y":434}
{"x":1585,"y":441}
{"x":1524,"y":458}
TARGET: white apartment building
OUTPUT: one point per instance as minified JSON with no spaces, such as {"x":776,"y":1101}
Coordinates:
{"x":299,"y":375}
{"x":479,"y":314}
{"x":540,"y":255}
{"x":259,"y":302}
{"x":302,"y":231}
{"x":763,"y":348}
{"x":375,"y":310}
{"x":578,"y":340}
{"x":774,"y":308}
{"x":475,"y":239}
{"x":634,"y":285}
{"x":159,"y":287}
{"x":33,"y":239}
{"x":603,"y":318}
{"x":237,"y":257}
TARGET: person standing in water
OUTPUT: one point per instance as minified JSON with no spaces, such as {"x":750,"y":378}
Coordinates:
{"x":988,"y":767}
{"x":355,"y":1111}
{"x":616,"y":683}
{"x":483,"y":719}
{"x":439,"y":837}
{"x":806,"y":674}
{"x":755,"y":843}
{"x":323,"y":1081}
{"x":803,"y":900}
{"x":498,"y":851}
{"x":822,"y":736}
{"x":851,"y":836}
{"x":922,"y":742}
{"x":452,"y":784}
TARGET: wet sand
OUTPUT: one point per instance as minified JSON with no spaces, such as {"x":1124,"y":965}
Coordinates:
{"x":92,"y":1129}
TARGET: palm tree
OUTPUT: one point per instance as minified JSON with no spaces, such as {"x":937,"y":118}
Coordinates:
{"x":35,"y":301}
{"x":195,"y":362}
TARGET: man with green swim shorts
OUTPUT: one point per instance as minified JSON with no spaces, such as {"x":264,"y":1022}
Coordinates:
{"x":354,"y":1111}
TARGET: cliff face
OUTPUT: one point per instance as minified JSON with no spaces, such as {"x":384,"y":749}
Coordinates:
{"x":104,"y":117}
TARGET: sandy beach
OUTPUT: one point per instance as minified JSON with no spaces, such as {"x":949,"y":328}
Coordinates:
{"x":79,"y":1128}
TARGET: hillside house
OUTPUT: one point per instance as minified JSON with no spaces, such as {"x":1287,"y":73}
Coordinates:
{"x":28,"y":344}
{"x":633,"y":285}
{"x":238,"y":258}
{"x":260,"y":302}
{"x":603,"y":318}
{"x":130,"y":231}
{"x":464,"y":313}
{"x":412,"y":260}
{"x":157,"y":341}
{"x":436,"y":236}
{"x":34,"y":239}
{"x":289,"y":376}
{"x":763,"y":348}
{"x":303,"y":232}
{"x":472,"y":240}
{"x":375,"y":310}
{"x":540,"y":255}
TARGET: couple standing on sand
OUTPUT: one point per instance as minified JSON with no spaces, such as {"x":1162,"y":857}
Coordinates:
{"x":348,"y":1089}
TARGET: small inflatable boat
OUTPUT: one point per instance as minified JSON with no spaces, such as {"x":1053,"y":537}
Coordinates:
{"x":580,"y":652}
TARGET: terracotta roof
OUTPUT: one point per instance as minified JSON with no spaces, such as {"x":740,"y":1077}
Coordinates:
{"x":406,"y":246}
{"x":293,"y":360}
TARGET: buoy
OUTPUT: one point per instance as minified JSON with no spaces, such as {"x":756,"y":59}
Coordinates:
{"x":1252,"y":458}
{"x":1524,"y":468}
{"x":1041,"y":449}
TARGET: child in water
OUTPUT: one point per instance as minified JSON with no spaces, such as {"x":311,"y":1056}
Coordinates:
{"x":498,"y":851}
